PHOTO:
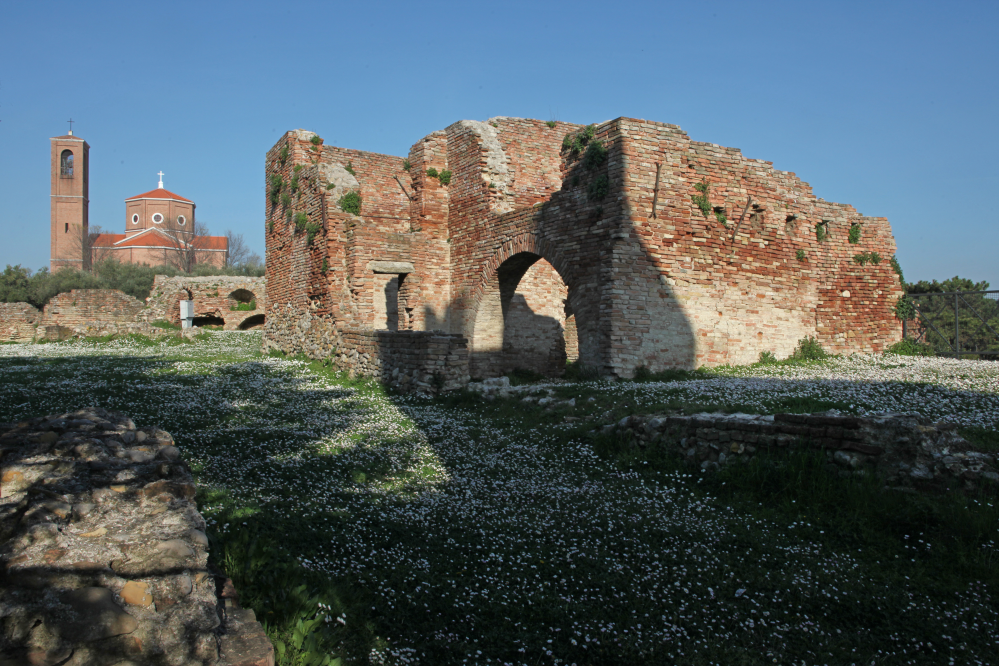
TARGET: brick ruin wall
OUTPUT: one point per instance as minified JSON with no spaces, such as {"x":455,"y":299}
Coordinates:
{"x":216,"y":299}
{"x":536,"y":254}
{"x":99,"y":312}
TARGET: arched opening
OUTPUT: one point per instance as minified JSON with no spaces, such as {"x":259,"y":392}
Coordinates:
{"x":208,"y":322}
{"x":66,"y":164}
{"x":242,"y":299}
{"x":521,"y":320}
{"x":256,"y":321}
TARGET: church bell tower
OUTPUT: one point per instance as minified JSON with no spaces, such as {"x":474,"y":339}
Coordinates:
{"x":70,"y":202}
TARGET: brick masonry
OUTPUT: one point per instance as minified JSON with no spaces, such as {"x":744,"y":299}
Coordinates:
{"x":215,"y":299}
{"x":535,"y":254}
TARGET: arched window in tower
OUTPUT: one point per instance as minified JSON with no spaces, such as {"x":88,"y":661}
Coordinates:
{"x":66,"y":164}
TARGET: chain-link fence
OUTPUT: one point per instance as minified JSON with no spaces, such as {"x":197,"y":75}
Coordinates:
{"x":962,"y":324}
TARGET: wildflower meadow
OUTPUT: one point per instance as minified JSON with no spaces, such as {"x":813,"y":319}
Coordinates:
{"x":365,"y":527}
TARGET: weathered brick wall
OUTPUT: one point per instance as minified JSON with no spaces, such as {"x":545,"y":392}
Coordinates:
{"x":93,"y":308}
{"x":673,"y":287}
{"x":421,"y":361}
{"x":214,"y":296}
{"x":18,"y":322}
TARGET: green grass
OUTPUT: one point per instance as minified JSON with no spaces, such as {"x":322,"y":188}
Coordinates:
{"x":475,"y":531}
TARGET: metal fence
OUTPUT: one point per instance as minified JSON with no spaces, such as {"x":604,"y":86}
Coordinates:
{"x":958,"y":324}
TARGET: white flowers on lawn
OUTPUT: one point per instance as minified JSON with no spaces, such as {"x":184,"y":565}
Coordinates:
{"x":499,"y":544}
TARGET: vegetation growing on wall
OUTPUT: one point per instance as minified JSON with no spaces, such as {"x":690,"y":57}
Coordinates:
{"x":350,"y":169}
{"x":406,"y":165}
{"x":283,"y":154}
{"x":576,"y":142}
{"x":701,"y":200}
{"x":277,"y":182}
{"x":800,"y":254}
{"x":897,"y":267}
{"x":822,"y":231}
{"x":599,"y":188}
{"x":865,"y":258}
{"x":350,"y":203}
{"x":301,"y":219}
{"x":443,"y":176}
{"x":854,"y":235}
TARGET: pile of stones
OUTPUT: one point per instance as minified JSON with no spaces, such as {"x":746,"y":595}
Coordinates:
{"x":104,"y":554}
{"x":907,"y":450}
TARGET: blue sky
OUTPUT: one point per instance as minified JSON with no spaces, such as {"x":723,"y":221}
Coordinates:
{"x":890,"y":107}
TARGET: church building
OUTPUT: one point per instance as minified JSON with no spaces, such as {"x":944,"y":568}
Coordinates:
{"x":159,"y":225}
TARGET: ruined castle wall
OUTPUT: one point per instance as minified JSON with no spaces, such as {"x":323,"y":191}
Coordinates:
{"x":739,"y":285}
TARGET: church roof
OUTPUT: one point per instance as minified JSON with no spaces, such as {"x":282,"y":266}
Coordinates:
{"x":156,"y":238}
{"x":159,"y":193}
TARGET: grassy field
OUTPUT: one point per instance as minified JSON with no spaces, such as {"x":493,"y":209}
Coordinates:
{"x":379,"y":529}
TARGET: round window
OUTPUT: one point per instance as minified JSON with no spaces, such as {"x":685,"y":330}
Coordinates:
{"x":157,"y":218}
{"x":135,"y":218}
{"x":181,"y":220}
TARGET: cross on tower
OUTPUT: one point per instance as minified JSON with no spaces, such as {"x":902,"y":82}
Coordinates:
{"x":160,"y":174}
{"x":70,"y":121}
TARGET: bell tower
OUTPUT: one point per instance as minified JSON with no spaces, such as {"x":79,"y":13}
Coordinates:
{"x":70,"y":201}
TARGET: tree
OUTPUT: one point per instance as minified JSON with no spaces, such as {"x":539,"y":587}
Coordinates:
{"x":189,"y":245}
{"x":239,"y":251}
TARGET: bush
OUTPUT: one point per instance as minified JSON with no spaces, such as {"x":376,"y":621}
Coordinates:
{"x":800,"y":254}
{"x":432,"y":172}
{"x":406,"y":165}
{"x":350,"y":203}
{"x":767,"y":358}
{"x":909,"y":347}
{"x":444,"y":177}
{"x":809,"y":349}
{"x":595,"y":155}
{"x":301,"y":221}
{"x":854,"y":235}
{"x":904,"y":309}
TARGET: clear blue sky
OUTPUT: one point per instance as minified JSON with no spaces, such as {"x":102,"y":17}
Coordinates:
{"x":891,"y":107}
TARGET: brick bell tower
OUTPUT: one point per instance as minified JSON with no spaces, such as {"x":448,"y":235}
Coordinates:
{"x":70,"y":201}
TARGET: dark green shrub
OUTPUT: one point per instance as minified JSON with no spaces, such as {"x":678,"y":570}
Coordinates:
{"x":800,"y":254}
{"x":270,"y":226}
{"x":767,"y":358}
{"x":809,"y":349}
{"x":315,"y":140}
{"x":904,"y":309}
{"x":909,"y":347}
{"x":326,"y":266}
{"x":432,"y":172}
{"x":854,"y":235}
{"x":277,"y":182}
{"x":350,"y":203}
{"x":595,"y":155}
{"x":720,"y":215}
{"x":576,"y":142}
{"x":350,"y":169}
{"x":701,"y":201}
{"x":550,"y":123}
{"x":244,"y":307}
{"x":283,"y":155}
{"x":444,"y":177}
{"x":599,"y":188}
{"x":294,"y":181}
{"x":874,"y":258}
{"x":821,"y":231}
{"x":406,"y":165}
{"x":285,"y":199}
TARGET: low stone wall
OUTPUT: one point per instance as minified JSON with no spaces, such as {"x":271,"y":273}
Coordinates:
{"x":18,"y":322}
{"x":905,"y":449}
{"x":104,"y":552}
{"x":92,"y":307}
{"x":421,"y":361}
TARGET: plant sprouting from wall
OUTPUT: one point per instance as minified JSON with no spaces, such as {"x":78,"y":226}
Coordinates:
{"x":294,"y":178}
{"x":720,"y":215}
{"x":596,"y":154}
{"x":285,"y":199}
{"x":270,"y":226}
{"x":283,"y":154}
{"x":701,"y":200}
{"x":350,"y":203}
{"x":854,"y":235}
{"x":550,"y":123}
{"x":904,"y":309}
{"x":800,"y":254}
{"x":316,"y":140}
{"x":897,"y":267}
{"x":865,"y":258}
{"x":432,"y":172}
{"x":311,"y":229}
{"x":406,"y":165}
{"x":822,"y":231}
{"x":301,"y":220}
{"x":277,"y":182}
{"x":443,"y":176}
{"x":599,"y":188}
{"x":350,"y":169}
{"x":576,"y":142}
{"x":325,"y":267}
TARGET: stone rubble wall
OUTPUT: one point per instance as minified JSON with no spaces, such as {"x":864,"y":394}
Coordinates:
{"x":104,"y":552}
{"x":905,"y":449}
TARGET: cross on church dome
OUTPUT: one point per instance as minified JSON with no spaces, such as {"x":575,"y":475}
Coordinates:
{"x":160,"y":174}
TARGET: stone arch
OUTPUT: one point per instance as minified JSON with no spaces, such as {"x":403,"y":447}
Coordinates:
{"x":66,"y":164}
{"x":507,"y":328}
{"x":255,"y":321}
{"x":242,"y":296}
